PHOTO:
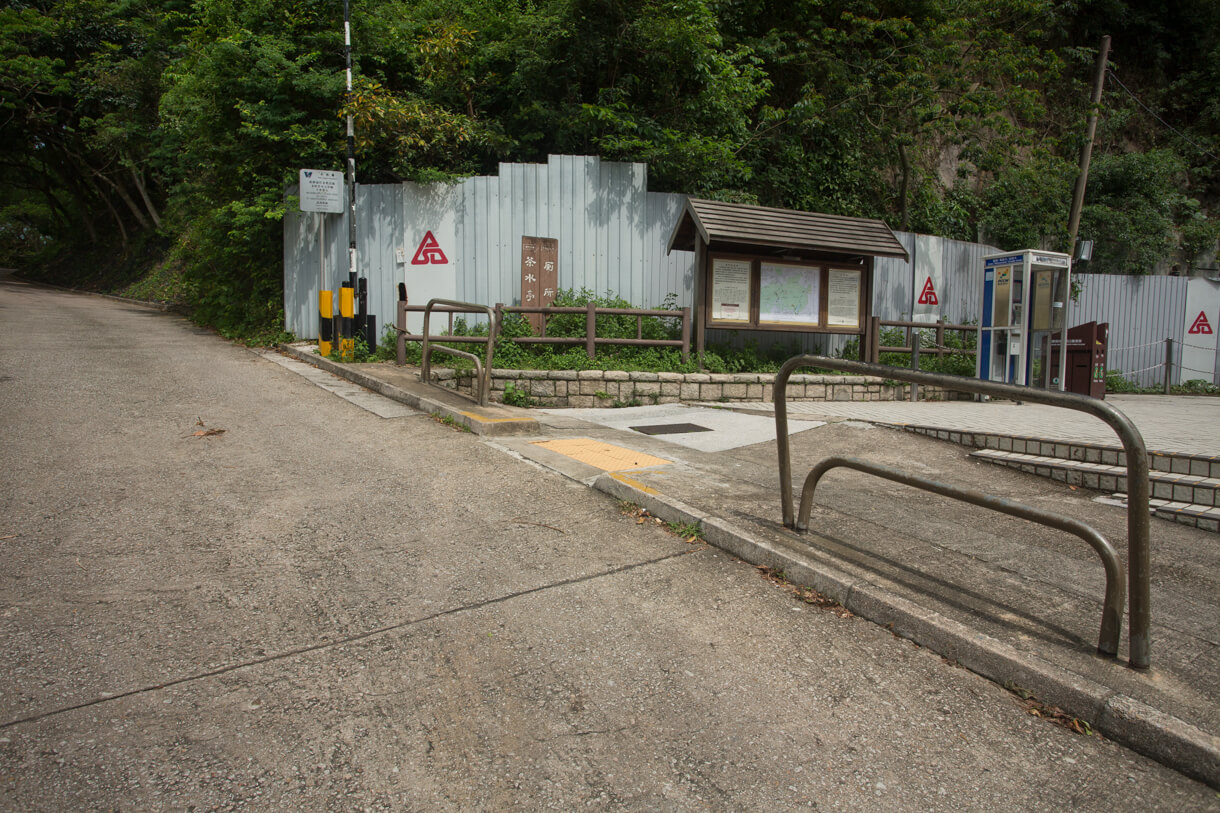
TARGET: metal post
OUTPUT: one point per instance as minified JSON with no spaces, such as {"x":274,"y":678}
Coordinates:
{"x":351,"y":145}
{"x":915,"y":337}
{"x":1168,"y":364}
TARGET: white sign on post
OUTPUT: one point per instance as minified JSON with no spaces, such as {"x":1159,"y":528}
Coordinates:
{"x":322,"y":191}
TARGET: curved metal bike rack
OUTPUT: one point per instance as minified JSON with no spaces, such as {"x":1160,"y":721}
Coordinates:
{"x":482,"y":370}
{"x":1138,"y":522}
{"x":1112,"y":606}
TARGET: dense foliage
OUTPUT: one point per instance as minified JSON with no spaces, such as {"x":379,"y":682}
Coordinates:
{"x":134,"y":129}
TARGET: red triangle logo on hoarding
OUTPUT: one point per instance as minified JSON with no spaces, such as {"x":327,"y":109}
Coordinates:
{"x":429,"y":252}
{"x":928,"y":296}
{"x":1201,"y":325}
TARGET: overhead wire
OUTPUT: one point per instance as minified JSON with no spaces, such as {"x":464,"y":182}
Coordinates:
{"x":1111,"y":75}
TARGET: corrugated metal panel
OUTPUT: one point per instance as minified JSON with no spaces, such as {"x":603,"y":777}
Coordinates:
{"x":962,"y":296}
{"x":378,"y":223}
{"x":1142,"y":311}
{"x":378,"y":235}
{"x":666,"y":272}
{"x":301,"y":287}
{"x":612,"y":237}
{"x":762,"y":225}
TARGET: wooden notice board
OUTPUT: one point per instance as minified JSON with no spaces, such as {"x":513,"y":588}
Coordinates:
{"x":539,"y":275}
{"x":794,"y":295}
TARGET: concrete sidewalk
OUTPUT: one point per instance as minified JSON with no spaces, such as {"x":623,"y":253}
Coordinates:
{"x":1169,"y":423}
{"x":1017,"y":603}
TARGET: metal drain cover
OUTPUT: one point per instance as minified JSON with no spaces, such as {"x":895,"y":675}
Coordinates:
{"x":669,"y":429}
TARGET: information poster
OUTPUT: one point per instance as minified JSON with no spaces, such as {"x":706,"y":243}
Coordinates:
{"x":1041,"y":317}
{"x":843,"y":298}
{"x":789,"y":293}
{"x":731,"y":290}
{"x":1001,"y":312}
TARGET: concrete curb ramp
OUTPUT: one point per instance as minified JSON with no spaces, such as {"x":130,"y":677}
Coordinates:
{"x":1123,"y":719}
{"x":479,"y":420}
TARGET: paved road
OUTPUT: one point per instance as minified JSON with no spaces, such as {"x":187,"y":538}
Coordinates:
{"x":318,"y":608}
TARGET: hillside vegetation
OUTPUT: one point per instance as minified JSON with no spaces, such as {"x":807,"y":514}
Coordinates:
{"x":148,"y":144}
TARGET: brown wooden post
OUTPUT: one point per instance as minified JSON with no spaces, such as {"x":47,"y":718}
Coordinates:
{"x":591,"y":330}
{"x":940,"y":337}
{"x":700,"y":296}
{"x":685,"y":335}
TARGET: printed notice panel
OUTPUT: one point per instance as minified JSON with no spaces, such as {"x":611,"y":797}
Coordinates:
{"x":321,"y":191}
{"x":731,"y":290}
{"x":843,"y":298}
{"x":789,"y":293}
{"x":1001,"y":311}
{"x":1041,"y":316}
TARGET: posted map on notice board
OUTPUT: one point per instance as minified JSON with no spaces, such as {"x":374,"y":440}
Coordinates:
{"x":789,"y":293}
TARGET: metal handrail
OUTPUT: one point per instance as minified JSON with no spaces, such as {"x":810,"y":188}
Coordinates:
{"x":1112,"y":606}
{"x":1139,"y":563}
{"x":482,"y":371}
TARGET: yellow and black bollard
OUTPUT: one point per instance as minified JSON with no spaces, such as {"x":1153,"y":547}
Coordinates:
{"x":347,"y":344}
{"x":326,"y":331}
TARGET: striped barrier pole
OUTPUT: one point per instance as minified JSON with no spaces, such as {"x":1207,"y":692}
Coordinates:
{"x":347,"y":344}
{"x":326,"y":333}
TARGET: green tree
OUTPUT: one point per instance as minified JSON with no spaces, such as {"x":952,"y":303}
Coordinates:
{"x":251,"y":100}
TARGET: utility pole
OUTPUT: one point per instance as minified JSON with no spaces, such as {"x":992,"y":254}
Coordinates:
{"x":351,"y":147}
{"x":1086,"y":154}
{"x":1063,"y":290}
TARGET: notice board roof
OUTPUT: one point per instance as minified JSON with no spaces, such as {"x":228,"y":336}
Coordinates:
{"x":736,"y":224}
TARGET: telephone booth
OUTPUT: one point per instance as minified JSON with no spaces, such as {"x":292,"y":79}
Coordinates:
{"x":1019,"y":313}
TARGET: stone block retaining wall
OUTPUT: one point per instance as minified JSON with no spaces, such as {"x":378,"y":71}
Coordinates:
{"x":606,"y":388}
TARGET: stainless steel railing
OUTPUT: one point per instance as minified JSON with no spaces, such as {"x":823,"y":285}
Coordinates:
{"x":1138,"y":522}
{"x":482,"y":369}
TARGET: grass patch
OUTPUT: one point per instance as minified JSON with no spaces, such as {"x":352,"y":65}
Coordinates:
{"x":451,"y":422}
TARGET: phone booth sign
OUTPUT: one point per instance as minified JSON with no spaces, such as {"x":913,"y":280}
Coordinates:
{"x":1019,"y":313}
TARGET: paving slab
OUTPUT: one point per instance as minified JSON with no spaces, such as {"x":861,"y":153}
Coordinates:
{"x":1169,"y":423}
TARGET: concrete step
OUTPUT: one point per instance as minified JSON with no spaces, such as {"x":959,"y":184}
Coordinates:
{"x":1186,"y":498}
{"x":1172,"y":462}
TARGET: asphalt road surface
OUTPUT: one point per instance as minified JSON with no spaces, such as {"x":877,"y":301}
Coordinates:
{"x":224,"y":588}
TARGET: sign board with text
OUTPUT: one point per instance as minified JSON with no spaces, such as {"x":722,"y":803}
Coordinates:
{"x":539,"y":275}
{"x":322,"y":191}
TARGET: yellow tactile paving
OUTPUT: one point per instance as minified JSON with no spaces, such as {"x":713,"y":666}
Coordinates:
{"x":601,"y":455}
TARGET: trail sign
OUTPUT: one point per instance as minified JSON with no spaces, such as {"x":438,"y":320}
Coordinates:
{"x":321,"y":191}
